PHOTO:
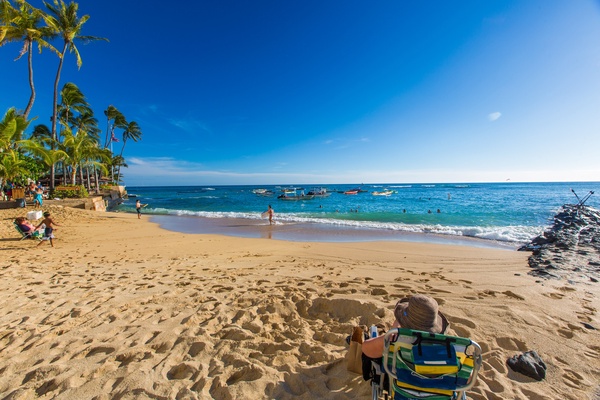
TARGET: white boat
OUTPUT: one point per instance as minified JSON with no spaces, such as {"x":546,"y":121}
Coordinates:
{"x":287,"y":195}
{"x":385,"y":192}
{"x":263,"y":192}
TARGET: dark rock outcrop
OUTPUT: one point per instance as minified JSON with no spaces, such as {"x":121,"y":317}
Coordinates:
{"x":529,"y":364}
{"x":570,"y":248}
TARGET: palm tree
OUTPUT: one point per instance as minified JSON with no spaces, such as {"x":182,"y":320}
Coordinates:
{"x":116,"y":163}
{"x":89,"y":123}
{"x":132,"y":131}
{"x":64,"y":22}
{"x":72,"y":100}
{"x":47,"y":155}
{"x":11,"y":166}
{"x":23,"y":24}
{"x":41,"y":134}
{"x":12,"y":127}
{"x":111,"y":113}
{"x":96,"y":158}
{"x":77,"y":146}
{"x":86,"y":122}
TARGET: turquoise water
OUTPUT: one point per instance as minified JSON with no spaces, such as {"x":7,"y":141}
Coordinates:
{"x":506,"y":212}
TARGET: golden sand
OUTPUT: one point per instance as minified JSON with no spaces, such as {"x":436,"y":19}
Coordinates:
{"x":120,"y":308}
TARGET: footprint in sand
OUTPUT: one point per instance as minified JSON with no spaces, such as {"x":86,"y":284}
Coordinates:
{"x":462,"y":321}
{"x":492,"y":383}
{"x":554,"y":295}
{"x":513,"y":295}
{"x":509,"y":343}
{"x":181,"y":371}
{"x":573,"y":379}
{"x":250,"y":373}
{"x":566,"y":333}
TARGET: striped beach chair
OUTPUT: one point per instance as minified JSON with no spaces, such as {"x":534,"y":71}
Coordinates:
{"x":28,"y":235}
{"x":430,"y":366}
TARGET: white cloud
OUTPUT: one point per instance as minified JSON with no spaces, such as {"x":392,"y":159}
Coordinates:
{"x":494,"y":116}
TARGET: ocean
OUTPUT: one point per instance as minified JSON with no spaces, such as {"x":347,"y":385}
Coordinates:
{"x":505,"y":214}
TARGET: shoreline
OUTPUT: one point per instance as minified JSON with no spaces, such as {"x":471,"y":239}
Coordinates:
{"x":121,"y":307}
{"x":312,"y":232}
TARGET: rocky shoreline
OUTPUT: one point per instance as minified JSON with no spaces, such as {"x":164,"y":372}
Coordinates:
{"x":570,"y":248}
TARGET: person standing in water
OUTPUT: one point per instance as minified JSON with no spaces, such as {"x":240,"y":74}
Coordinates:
{"x":270,"y":214}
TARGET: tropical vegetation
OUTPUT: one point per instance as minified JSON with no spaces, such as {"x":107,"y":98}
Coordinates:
{"x":70,"y":151}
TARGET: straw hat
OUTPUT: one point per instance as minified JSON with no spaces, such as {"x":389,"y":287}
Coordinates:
{"x":421,"y":313}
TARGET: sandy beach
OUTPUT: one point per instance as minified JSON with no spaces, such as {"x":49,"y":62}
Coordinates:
{"x":122,"y":309}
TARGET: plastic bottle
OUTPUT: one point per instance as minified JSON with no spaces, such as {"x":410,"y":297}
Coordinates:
{"x":373,"y":331}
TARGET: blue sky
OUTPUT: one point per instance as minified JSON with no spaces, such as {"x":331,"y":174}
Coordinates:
{"x":295,"y":92}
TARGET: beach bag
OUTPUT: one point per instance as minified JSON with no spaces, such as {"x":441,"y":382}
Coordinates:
{"x":354,"y":356}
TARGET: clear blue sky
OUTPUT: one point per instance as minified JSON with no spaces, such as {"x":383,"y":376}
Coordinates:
{"x":312,"y":91}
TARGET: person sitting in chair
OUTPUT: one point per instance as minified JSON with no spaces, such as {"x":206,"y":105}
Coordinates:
{"x":24,"y":225}
{"x":418,"y":312}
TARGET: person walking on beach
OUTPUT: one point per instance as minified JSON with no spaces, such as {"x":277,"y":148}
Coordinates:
{"x":49,"y":223}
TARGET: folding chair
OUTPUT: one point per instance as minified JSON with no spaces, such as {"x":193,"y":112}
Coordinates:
{"x":28,"y":235}
{"x":423,"y":365}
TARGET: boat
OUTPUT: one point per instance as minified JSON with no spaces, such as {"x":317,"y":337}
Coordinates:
{"x":291,"y":189}
{"x":318,"y":192}
{"x":288,"y":196}
{"x":386,"y":192}
{"x":355,"y":190}
{"x":263,"y":192}
{"x":295,"y":196}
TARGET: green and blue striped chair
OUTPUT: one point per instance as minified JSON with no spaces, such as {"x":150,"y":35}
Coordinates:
{"x":423,"y":365}
{"x":28,"y":235}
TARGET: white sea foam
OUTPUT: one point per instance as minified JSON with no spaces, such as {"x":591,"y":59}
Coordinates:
{"x":511,"y":234}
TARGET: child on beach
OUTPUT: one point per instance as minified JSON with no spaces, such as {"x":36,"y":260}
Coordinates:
{"x":49,"y":222}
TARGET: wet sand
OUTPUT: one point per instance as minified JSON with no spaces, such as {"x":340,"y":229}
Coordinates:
{"x":310,"y":232}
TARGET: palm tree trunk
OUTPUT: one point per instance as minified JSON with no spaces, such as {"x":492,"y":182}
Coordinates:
{"x":88,"y":183}
{"x":74,"y":171}
{"x":54,"y":108}
{"x":96,"y":177}
{"x":30,"y":62}
{"x":65,"y":173}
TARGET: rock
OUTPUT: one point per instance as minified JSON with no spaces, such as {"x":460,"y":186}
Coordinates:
{"x":570,"y":248}
{"x":529,"y":364}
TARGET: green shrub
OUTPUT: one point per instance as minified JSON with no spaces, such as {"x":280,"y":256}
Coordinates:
{"x":74,"y":192}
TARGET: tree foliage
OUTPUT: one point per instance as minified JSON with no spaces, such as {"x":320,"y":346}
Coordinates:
{"x":77,"y":146}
